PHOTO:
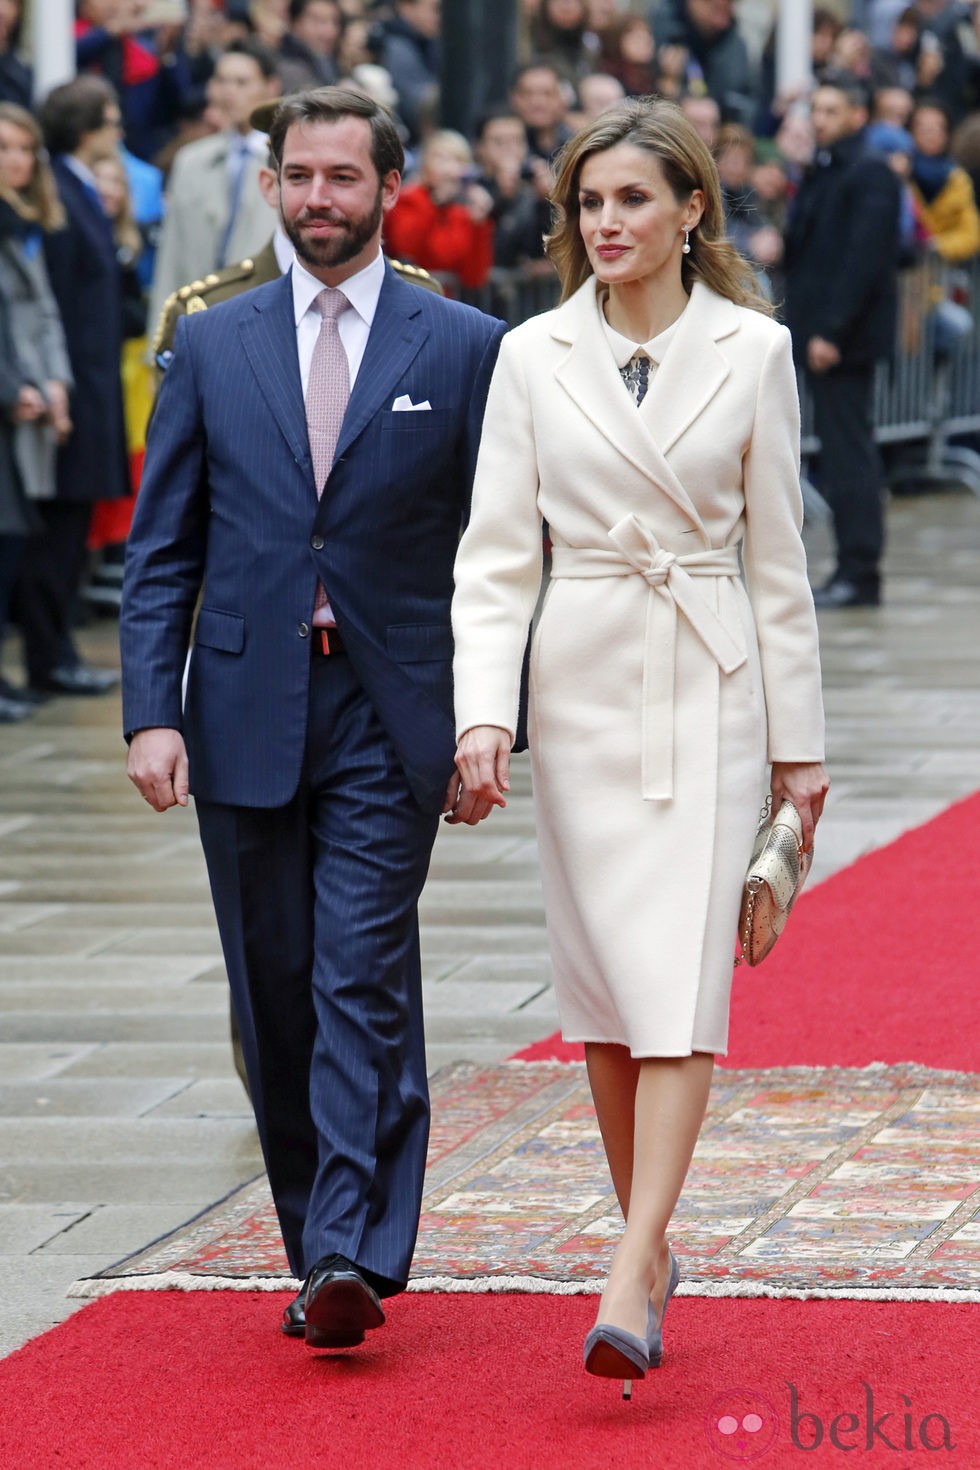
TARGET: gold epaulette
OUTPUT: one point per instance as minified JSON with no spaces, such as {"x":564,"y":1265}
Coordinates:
{"x":416,"y":274}
{"x":192,"y":297}
{"x":162,"y":319}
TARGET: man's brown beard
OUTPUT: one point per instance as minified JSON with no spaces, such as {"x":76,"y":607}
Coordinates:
{"x":337,"y":249}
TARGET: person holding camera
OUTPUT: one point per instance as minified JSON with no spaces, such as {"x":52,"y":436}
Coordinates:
{"x":442,"y":223}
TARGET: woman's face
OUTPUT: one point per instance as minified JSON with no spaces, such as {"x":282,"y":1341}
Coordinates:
{"x":631,"y":224}
{"x":354,"y":49}
{"x":110,"y":181}
{"x":637,"y":45}
{"x":601,"y":13}
{"x":9,"y":16}
{"x":16,"y":156}
{"x":930,"y":132}
{"x":443,"y":167}
{"x":565,"y":15}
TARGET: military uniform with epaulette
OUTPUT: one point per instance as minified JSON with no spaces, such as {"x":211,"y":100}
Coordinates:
{"x":232,"y":280}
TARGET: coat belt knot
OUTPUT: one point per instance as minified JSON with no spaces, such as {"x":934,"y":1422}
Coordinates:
{"x":670,"y":579}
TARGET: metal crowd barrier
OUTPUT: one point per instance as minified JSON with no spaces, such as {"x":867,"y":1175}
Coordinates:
{"x":925,"y":395}
{"x":928,"y":392}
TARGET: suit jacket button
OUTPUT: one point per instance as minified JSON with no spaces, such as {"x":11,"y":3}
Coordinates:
{"x":317,"y":543}
{"x":303,"y":630}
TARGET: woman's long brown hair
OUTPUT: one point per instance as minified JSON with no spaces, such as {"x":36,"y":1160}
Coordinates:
{"x":662,"y":129}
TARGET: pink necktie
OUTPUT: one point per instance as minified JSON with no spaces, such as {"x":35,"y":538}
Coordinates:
{"x":327,"y":392}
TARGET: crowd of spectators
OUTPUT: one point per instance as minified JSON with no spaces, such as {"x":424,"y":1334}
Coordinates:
{"x":145,"y":174}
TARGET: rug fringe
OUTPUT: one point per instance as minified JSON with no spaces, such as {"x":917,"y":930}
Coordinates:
{"x":535,"y":1285}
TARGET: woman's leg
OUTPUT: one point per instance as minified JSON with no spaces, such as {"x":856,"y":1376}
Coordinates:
{"x":671,"y":1095}
{"x":613,"y":1076}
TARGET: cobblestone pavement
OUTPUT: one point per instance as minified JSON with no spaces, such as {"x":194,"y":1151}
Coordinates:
{"x":120,"y":1115}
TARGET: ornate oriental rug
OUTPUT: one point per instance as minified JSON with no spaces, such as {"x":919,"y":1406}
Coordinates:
{"x":834,"y":1182}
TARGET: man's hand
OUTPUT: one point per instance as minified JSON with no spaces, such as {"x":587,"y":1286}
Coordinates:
{"x":821,"y":355}
{"x":483,"y":762}
{"x":157,"y":767}
{"x":479,"y":203}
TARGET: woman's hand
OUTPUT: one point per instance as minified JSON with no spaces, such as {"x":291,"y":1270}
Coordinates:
{"x":805,"y":784}
{"x":58,"y":411}
{"x":483,"y":763}
{"x":30,"y":405}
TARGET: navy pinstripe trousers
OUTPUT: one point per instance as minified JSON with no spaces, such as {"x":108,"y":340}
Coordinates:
{"x":316,"y":904}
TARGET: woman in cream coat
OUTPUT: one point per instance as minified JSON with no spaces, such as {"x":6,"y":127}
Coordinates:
{"x":652,"y":420}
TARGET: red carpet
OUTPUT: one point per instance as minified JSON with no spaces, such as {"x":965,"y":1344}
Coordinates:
{"x":878,"y":963}
{"x":176,"y":1382}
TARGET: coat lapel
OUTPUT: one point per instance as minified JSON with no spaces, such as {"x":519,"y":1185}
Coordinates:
{"x":396,"y":336}
{"x":693,"y":368}
{"x":588,"y":374}
{"x":268,"y":335}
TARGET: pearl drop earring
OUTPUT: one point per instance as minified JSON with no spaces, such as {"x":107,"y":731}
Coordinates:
{"x":686,"y":247}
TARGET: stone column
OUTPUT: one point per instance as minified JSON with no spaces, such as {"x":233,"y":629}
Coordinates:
{"x":794,"y":33}
{"x":50,"y":26}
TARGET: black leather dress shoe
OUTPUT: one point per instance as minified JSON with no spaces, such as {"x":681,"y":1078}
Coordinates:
{"x":293,"y":1322}
{"x":79,"y":679}
{"x":340,"y":1306}
{"x":843,"y":593}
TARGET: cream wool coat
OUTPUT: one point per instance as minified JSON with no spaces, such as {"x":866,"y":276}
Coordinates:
{"x":661,"y":681}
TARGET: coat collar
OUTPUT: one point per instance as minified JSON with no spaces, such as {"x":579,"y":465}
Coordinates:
{"x":692,"y":371}
{"x":269,"y":339}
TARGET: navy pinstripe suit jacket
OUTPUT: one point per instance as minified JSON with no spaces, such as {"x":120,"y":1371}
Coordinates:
{"x":228,"y":501}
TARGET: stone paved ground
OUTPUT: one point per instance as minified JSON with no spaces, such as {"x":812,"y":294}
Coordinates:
{"x":120,"y":1115}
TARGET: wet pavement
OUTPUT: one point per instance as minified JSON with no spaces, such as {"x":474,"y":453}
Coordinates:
{"x":120,"y":1113}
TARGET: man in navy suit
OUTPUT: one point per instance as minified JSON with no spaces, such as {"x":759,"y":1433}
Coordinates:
{"x":316,"y":734}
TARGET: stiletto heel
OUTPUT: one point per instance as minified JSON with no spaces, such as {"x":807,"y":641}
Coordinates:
{"x":655,"y":1327}
{"x":611,"y":1352}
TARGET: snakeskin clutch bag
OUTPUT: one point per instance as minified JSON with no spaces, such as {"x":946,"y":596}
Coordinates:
{"x":777,"y":871}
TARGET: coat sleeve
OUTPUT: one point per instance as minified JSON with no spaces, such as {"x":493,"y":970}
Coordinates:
{"x":954,"y":220}
{"x":775,"y":564}
{"x":165,"y":551}
{"x":53,"y":347}
{"x":498,"y":567}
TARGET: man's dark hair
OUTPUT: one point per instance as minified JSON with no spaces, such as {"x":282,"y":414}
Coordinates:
{"x":298,"y":8}
{"x":857,"y":92}
{"x":75,"y":108}
{"x":331,"y":104}
{"x":494,"y":113}
{"x":264,"y":59}
{"x":536,"y":63}
{"x":826,"y":20}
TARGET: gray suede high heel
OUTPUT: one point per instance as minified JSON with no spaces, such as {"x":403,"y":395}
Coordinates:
{"x":655,"y":1328}
{"x":612,"y":1352}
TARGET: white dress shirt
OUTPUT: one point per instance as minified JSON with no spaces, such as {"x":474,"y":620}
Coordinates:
{"x":254,"y":143}
{"x":362,"y":291}
{"x":623,"y":348}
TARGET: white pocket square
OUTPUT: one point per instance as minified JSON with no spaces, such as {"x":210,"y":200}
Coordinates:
{"x":404,"y":404}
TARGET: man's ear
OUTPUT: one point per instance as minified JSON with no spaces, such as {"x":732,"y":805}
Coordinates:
{"x":390,"y":185}
{"x":269,"y":186}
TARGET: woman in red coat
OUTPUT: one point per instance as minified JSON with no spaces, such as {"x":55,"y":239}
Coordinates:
{"x":442,"y":222}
